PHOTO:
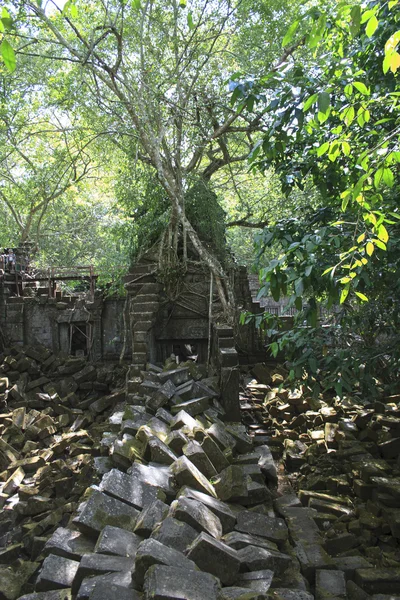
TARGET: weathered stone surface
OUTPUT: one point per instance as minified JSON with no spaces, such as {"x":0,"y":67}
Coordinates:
{"x":221,"y":437}
{"x":220,"y":509}
{"x":151,"y":552}
{"x":68,"y":543}
{"x":329,"y":584}
{"x":257,"y":580}
{"x":254,"y":558}
{"x":349,"y":564}
{"x":231,"y":484}
{"x":177,"y":376}
{"x":126,"y":488}
{"x":195,"y":453}
{"x":114,"y":540}
{"x":151,"y":516}
{"x":121,"y":579}
{"x":154,"y":476}
{"x":272,"y":528}
{"x":215,"y":557}
{"x":187,"y":474}
{"x":63,"y":594}
{"x":101,"y":510}
{"x":100,"y":564}
{"x":57,"y":572}
{"x":214,"y":453}
{"x":193,"y":407}
{"x":175,"y":441}
{"x":108,"y":591}
{"x":238,"y":593}
{"x":170,"y":583}
{"x":242,"y":540}
{"x":197,"y":515}
{"x":160,"y":452}
{"x":183,"y":419}
{"x":373,"y":581}
{"x":288,"y":594}
{"x":175,"y":534}
{"x":312,"y":557}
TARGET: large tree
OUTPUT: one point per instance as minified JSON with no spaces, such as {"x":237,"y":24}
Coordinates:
{"x":157,"y":74}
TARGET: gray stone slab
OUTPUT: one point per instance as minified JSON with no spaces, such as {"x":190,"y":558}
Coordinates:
{"x":243,"y":442}
{"x":128,"y":489}
{"x":183,"y":419}
{"x":197,"y":515}
{"x":288,"y":594}
{"x":214,"y":453}
{"x":239,"y":593}
{"x":151,"y":552}
{"x":101,"y":510}
{"x":379,"y":580}
{"x":154,"y":476}
{"x":195,"y":453}
{"x":170,"y":583}
{"x":220,"y":509}
{"x":329,"y":584}
{"x":68,"y":543}
{"x":160,"y":452}
{"x":175,"y":441}
{"x":57,"y":572}
{"x":151,"y":516}
{"x":117,"y":541}
{"x":238,"y":540}
{"x":164,"y":415}
{"x":267,"y":464}
{"x":193,"y":407}
{"x":254,"y":558}
{"x":64,"y":594}
{"x":272,"y":528}
{"x":175,"y":534}
{"x":121,"y":579}
{"x":221,"y":437}
{"x":109,"y":591}
{"x":349,"y":564}
{"x":215,"y":557}
{"x":186,"y":473}
{"x":231,"y":484}
{"x":177,"y":376}
{"x":257,"y":580}
{"x":312,"y":557}
{"x":100,"y":564}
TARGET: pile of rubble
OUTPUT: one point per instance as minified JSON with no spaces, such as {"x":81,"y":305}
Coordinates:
{"x":184,"y":508}
{"x":51,"y":424}
{"x":343,"y":461}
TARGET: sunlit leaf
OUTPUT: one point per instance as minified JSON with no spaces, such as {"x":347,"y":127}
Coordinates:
{"x":370,"y":248}
{"x":361,"y":238}
{"x":8,"y":55}
{"x":361,"y":87}
{"x":382,"y":233}
{"x":371,"y":26}
{"x":323,"y":149}
{"x":362,"y":296}
{"x":290,"y":33}
{"x":344,"y":294}
{"x":324,"y":101}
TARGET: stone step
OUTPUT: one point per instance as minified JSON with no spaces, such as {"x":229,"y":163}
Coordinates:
{"x":143,"y":324}
{"x":144,"y":308}
{"x":140,"y":347}
{"x":145,"y":298}
{"x":227,"y":342}
{"x":139,"y":358}
{"x":143,"y":315}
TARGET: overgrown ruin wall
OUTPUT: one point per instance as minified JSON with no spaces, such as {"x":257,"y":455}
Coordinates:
{"x":93,"y":329}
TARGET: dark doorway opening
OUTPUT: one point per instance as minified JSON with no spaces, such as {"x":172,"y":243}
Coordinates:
{"x":79,"y":339}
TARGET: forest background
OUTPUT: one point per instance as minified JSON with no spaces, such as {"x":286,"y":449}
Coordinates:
{"x":270,"y":129}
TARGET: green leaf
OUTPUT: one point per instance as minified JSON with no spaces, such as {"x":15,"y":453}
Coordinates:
{"x":290,"y":33}
{"x":190,"y":22}
{"x":74,"y":11}
{"x":382,"y":233}
{"x":361,"y":87}
{"x":378,"y":177}
{"x":324,"y":101}
{"x":380,"y":244}
{"x":355,"y":20}
{"x":346,"y":148}
{"x":362,"y":296}
{"x":371,"y":26}
{"x":8,"y":55}
{"x":274,"y":349}
{"x":328,"y":270}
{"x":313,"y":364}
{"x":308,"y":103}
{"x":388,"y":177}
{"x":344,"y":294}
{"x":182,"y":3}
{"x":323,"y":149}
{"x":299,"y":286}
